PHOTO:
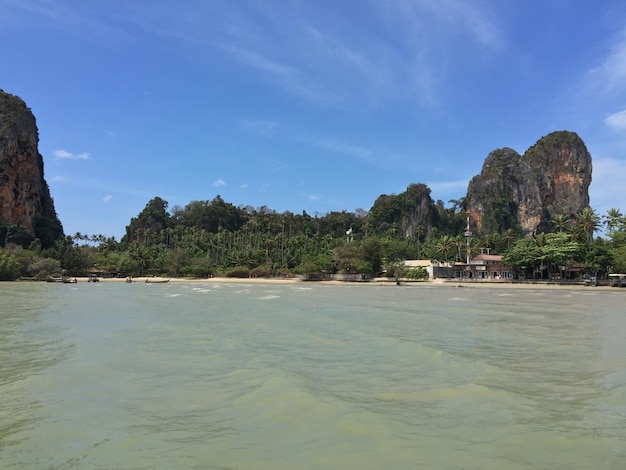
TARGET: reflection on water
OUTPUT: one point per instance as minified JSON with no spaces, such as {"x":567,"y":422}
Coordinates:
{"x":141,"y":376}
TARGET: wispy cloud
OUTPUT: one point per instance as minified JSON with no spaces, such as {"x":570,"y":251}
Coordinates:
{"x":219,"y":183}
{"x":286,"y":76}
{"x":64,"y":154}
{"x":107,"y":198}
{"x":617,"y":121}
{"x":609,"y":77}
{"x":458,"y":187}
{"x":361,"y":153}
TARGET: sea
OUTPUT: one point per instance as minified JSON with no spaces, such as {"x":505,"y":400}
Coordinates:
{"x":310,"y":376}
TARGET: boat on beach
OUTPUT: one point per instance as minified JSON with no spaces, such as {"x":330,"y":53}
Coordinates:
{"x":156,"y":280}
{"x":62,"y":280}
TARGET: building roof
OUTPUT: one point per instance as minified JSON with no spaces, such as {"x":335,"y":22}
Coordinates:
{"x":484,"y":257}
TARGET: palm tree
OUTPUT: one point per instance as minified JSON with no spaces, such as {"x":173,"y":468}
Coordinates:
{"x":560,"y":223}
{"x":589,"y":222}
{"x":508,"y":237}
{"x":445,"y":246}
{"x":613,"y":219}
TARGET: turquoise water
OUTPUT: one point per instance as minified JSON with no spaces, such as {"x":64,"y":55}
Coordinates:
{"x":308,"y":376}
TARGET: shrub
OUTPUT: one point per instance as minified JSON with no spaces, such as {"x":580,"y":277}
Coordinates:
{"x":44,"y":268}
{"x":238,"y":271}
{"x":416,"y":273}
{"x":9,"y":266}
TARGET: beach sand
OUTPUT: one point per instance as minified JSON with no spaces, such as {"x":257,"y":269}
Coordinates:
{"x":378,"y":282}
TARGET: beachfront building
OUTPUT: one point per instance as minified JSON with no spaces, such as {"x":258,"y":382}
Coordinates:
{"x":486,"y":267}
{"x":436,"y":269}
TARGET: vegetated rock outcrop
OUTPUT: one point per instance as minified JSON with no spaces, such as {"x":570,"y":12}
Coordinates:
{"x":412,"y":211}
{"x":26,"y":208}
{"x":524,"y":193}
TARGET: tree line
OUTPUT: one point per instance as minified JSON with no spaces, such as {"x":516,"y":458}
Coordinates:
{"x":216,"y":238}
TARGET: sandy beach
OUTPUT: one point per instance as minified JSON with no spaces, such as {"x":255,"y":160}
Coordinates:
{"x":378,"y":282}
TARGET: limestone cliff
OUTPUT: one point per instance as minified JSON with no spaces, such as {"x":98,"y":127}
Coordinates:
{"x":26,"y":208}
{"x":412,"y":212}
{"x":525,"y":192}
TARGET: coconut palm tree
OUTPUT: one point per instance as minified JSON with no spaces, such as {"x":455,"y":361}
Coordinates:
{"x":588,"y":222}
{"x":445,"y":246}
{"x":560,"y":223}
{"x":613,"y":219}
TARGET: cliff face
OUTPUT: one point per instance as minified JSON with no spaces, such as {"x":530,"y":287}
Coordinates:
{"x":413,"y":211}
{"x":26,"y":208}
{"x":525,"y":192}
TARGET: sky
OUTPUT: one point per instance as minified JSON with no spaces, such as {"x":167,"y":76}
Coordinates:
{"x":306,"y":105}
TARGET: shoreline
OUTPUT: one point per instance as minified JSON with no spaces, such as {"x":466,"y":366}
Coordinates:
{"x":378,"y":282}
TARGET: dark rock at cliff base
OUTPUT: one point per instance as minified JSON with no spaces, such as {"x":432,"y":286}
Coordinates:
{"x":524,"y":193}
{"x":26,"y":208}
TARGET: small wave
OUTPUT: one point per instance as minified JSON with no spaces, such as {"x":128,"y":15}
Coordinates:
{"x":269,"y":297}
{"x":172,"y":295}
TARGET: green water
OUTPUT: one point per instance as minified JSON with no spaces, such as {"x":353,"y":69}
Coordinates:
{"x":306,"y":376}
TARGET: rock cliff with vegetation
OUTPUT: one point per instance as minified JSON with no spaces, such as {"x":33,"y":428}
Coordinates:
{"x":525,"y":193}
{"x":26,"y":208}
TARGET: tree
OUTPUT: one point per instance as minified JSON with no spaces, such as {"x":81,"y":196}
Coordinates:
{"x":45,"y":268}
{"x":560,"y":223}
{"x":525,"y":255}
{"x":445,"y":247}
{"x":613,"y":219}
{"x":9,"y":266}
{"x":587,"y":223}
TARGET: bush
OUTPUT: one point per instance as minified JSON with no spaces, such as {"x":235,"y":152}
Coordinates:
{"x":416,"y":273}
{"x":196,"y":271}
{"x":264,"y":270}
{"x":238,"y":271}
{"x":45,"y":268}
{"x":9,"y":266}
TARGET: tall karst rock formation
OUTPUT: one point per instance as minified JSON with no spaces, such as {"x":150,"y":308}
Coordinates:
{"x":26,"y":208}
{"x":526,"y":192}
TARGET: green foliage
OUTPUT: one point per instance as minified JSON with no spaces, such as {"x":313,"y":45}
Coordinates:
{"x":416,"y":274}
{"x":9,"y":266}
{"x":238,"y":271}
{"x":265,"y":243}
{"x":45,"y":268}
{"x":500,"y":216}
{"x":314,"y":263}
{"x":153,"y":219}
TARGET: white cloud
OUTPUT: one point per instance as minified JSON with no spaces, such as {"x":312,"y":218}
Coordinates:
{"x":107,"y":198}
{"x":64,"y":154}
{"x":610,"y":76}
{"x":617,"y":121}
{"x":219,"y":183}
{"x":289,"y":77}
{"x":347,"y":149}
{"x":243,"y":186}
{"x":445,"y":187}
{"x":314,"y":197}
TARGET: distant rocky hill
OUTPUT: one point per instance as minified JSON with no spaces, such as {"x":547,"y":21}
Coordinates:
{"x":26,"y":208}
{"x":524,"y":193}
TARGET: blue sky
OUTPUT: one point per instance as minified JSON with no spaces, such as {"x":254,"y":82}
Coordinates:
{"x":309,"y":105}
